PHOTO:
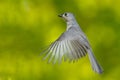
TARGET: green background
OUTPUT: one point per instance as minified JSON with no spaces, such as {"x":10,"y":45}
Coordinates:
{"x":29,"y":26}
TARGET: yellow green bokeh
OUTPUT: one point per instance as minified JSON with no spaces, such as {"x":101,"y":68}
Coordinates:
{"x":28,"y":26}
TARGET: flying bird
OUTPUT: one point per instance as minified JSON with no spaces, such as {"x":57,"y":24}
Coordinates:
{"x":72,"y":44}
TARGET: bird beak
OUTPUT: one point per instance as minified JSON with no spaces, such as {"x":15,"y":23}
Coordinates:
{"x":60,"y":15}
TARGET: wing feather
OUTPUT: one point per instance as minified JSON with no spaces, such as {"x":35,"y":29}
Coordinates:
{"x":70,"y":55}
{"x":76,"y":48}
{"x":53,"y":51}
{"x":69,"y":46}
{"x":57,"y":53}
{"x":49,"y":50}
{"x":65,"y":51}
{"x":61,"y":52}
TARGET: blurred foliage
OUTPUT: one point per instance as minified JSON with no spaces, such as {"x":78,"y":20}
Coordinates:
{"x":28,"y":26}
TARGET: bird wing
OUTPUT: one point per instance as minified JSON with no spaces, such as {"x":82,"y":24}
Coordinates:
{"x":70,"y":44}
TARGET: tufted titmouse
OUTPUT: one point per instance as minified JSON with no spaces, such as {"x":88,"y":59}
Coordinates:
{"x":72,"y":44}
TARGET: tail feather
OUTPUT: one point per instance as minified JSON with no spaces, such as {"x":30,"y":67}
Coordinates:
{"x":95,"y":65}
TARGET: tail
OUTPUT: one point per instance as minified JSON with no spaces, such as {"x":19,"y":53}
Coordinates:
{"x":95,"y":65}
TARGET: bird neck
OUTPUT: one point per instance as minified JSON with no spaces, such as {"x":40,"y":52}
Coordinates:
{"x":72,"y":23}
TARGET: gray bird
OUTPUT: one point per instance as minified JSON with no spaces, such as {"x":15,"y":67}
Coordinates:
{"x":72,"y":45}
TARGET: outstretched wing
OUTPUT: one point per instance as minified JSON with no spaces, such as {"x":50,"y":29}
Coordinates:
{"x":69,"y":45}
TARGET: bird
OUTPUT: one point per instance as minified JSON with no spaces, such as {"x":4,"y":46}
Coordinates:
{"x":71,"y":45}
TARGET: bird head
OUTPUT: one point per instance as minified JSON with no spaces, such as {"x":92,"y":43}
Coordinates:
{"x":67,"y":16}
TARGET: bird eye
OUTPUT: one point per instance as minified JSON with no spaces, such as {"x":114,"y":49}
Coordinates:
{"x":65,"y":14}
